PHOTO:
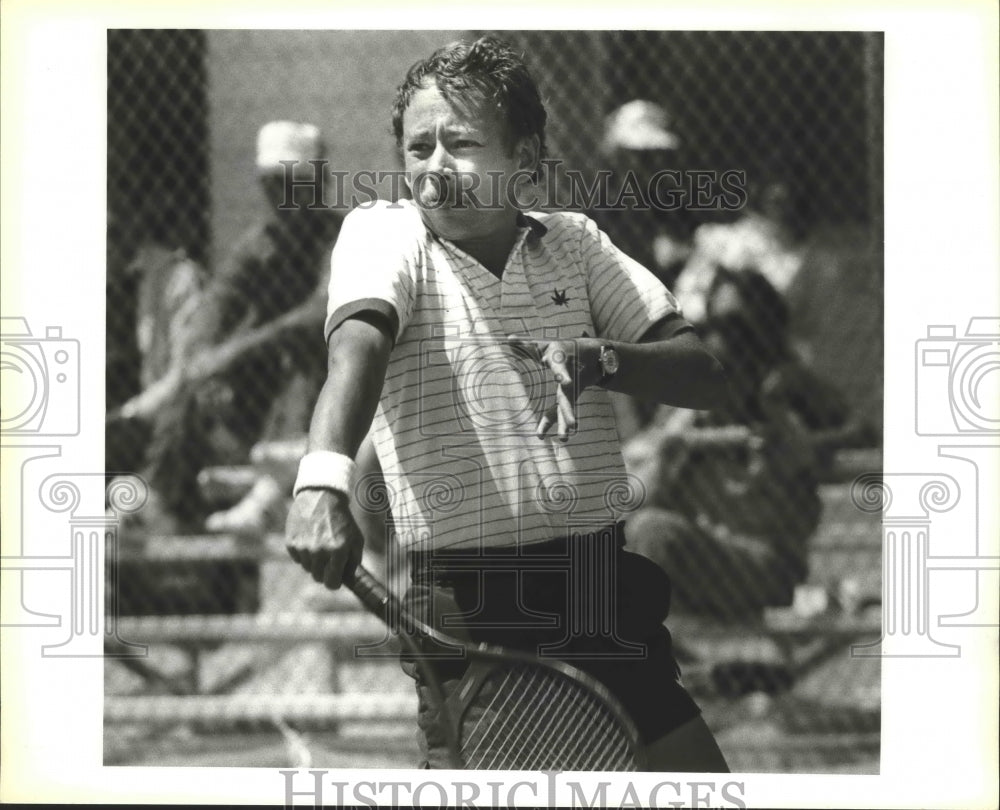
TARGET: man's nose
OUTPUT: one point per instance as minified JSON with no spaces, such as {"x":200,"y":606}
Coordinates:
{"x":441,"y":161}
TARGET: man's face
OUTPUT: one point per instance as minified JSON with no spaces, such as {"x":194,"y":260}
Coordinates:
{"x":458,"y":162}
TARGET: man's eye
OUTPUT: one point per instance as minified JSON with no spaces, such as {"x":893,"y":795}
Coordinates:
{"x":465,"y":143}
{"x":419,"y":148}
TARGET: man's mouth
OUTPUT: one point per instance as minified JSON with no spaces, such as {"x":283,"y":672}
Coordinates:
{"x":434,"y":190}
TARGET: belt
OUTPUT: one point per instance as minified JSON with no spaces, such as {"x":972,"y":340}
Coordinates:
{"x":543,"y":555}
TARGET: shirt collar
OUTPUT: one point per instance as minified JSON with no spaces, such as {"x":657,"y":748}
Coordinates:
{"x":536,"y":228}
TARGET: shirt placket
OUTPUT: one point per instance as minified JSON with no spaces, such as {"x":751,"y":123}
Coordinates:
{"x":500,"y":299}
{"x":518,"y":314}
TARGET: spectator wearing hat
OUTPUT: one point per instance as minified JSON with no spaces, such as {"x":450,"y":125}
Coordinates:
{"x":640,"y":140}
{"x":245,"y":368}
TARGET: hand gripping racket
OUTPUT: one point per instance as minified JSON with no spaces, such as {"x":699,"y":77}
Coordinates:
{"x":511,"y":710}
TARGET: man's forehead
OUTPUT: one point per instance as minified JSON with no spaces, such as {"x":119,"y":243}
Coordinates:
{"x":429,"y":107}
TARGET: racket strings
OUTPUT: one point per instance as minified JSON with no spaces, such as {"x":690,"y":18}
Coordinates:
{"x":571,"y":741}
{"x":537,"y":719}
{"x":595,"y":740}
{"x":492,"y":712}
{"x":534,"y":730}
{"x":592,"y":740}
{"x":513,"y":691}
{"x":554,"y":742}
{"x":584,"y":737}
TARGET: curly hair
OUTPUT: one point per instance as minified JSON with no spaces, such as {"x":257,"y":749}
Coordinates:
{"x":487,"y":70}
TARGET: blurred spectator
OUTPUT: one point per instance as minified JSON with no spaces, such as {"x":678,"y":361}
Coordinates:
{"x":639,"y":141}
{"x":123,"y":441}
{"x":155,"y":297}
{"x":122,"y":356}
{"x":247,"y":363}
{"x":767,"y":238}
{"x":169,"y":291}
{"x":732,"y":493}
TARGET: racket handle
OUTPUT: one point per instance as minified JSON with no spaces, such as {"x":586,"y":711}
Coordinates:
{"x":372,"y":593}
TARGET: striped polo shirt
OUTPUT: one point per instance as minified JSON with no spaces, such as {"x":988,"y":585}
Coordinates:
{"x":455,"y":427}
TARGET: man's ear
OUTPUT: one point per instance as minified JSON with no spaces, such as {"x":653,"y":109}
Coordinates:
{"x":528,"y":149}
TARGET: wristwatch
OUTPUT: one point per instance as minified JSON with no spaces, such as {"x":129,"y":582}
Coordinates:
{"x":608,"y":360}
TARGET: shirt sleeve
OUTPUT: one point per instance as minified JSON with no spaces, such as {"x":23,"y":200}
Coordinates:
{"x":372,"y":267}
{"x":626,"y":299}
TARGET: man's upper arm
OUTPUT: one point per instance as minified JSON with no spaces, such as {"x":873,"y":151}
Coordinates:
{"x":667,"y":327}
{"x":627,"y":301}
{"x":371,"y":270}
{"x":367,"y":329}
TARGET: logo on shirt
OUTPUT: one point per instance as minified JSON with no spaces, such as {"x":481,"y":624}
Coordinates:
{"x":560,"y":298}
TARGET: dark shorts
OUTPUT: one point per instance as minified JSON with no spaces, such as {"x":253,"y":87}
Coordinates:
{"x":593,"y":605}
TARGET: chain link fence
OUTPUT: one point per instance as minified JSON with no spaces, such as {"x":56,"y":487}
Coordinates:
{"x":778,"y":263}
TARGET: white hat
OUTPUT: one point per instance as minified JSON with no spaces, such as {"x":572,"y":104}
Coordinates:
{"x":639,"y":125}
{"x":287,"y":140}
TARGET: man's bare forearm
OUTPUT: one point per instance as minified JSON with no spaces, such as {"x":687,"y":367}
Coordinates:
{"x":676,"y":371}
{"x":358,"y":358}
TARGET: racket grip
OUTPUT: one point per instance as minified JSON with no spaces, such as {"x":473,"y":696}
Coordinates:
{"x":372,"y":593}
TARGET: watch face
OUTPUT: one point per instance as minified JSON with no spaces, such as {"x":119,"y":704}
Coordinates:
{"x":609,"y":361}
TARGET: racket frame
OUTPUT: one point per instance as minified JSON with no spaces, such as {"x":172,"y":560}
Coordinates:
{"x":378,"y":600}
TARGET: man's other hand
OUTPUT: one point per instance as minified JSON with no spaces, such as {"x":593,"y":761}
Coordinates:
{"x":574,"y":364}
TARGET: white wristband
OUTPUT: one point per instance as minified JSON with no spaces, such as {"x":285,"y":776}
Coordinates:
{"x":323,"y":469}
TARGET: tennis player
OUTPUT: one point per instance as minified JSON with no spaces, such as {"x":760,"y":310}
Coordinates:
{"x":479,"y":343}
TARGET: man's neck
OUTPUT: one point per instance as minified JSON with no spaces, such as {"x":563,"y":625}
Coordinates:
{"x":492,"y":251}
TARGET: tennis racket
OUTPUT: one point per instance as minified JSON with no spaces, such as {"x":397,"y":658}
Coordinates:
{"x":511,"y":710}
